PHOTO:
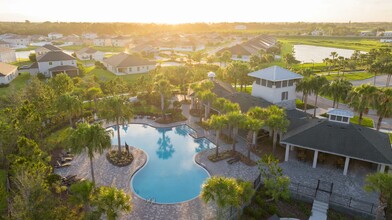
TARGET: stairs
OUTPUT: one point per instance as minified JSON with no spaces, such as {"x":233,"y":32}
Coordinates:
{"x":319,"y":210}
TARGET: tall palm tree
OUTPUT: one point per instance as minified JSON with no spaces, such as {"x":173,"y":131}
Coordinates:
{"x":111,"y":201}
{"x":258,"y":113}
{"x":217,"y":123}
{"x":222,"y":190}
{"x":318,"y":83}
{"x":81,"y":193}
{"x":163,"y":88}
{"x":94,"y":93}
{"x":382,"y":184}
{"x":219,"y":104}
{"x":116,"y":109}
{"x":333,"y":55}
{"x":277,"y":122}
{"x":235,"y":119}
{"x":305,"y":87}
{"x":70,"y":104}
{"x":254,"y":126}
{"x":337,"y":89}
{"x":383,"y":104}
{"x":90,"y":139}
{"x":208,"y":97}
{"x":361,"y":98}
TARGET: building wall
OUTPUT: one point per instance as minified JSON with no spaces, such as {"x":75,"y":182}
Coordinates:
{"x":119,"y":43}
{"x":44,"y":67}
{"x":7,"y":57}
{"x":129,"y":70}
{"x":7,"y":79}
{"x":17,"y":41}
{"x":96,"y":56}
{"x":33,"y":71}
{"x":274,"y":95}
{"x":55,"y":36}
{"x":102,"y":42}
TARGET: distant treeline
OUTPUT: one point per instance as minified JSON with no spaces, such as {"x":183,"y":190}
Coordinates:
{"x":336,"y":29}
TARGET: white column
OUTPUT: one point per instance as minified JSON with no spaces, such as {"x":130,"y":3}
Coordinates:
{"x":286,"y":156}
{"x":315,"y":158}
{"x":346,"y":166}
{"x":382,"y":168}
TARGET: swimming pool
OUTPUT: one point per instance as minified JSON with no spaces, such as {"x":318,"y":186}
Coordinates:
{"x":170,"y":174}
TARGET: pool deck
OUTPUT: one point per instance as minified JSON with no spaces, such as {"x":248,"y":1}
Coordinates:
{"x":109,"y":175}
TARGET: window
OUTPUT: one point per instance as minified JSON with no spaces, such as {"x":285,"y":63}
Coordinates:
{"x":285,"y":96}
{"x":338,"y":118}
{"x":269,"y":84}
{"x":291,"y":82}
{"x":263,"y":82}
{"x":50,"y":63}
{"x":138,"y":68}
{"x":333,"y":117}
{"x":284,"y":83}
{"x":278,"y":84}
{"x":345,"y":119}
{"x":258,"y":81}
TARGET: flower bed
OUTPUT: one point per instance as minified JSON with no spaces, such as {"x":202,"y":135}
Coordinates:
{"x":124,"y":160}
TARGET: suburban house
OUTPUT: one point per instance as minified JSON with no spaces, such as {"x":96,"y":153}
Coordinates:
{"x":103,"y":41}
{"x":55,"y":35}
{"x":123,"y":64}
{"x":317,"y":32}
{"x":7,"y":55}
{"x":367,"y":33}
{"x":89,"y":35}
{"x":54,"y":62}
{"x":4,"y":44}
{"x":240,"y":27}
{"x":316,"y":140}
{"x":8,"y":73}
{"x":387,"y":33}
{"x":145,"y":48}
{"x":46,"y":48}
{"x":245,"y":50}
{"x":89,"y":53}
{"x":120,"y":41}
{"x":16,"y":40}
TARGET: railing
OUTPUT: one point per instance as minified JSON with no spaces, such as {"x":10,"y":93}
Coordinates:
{"x":352,"y":203}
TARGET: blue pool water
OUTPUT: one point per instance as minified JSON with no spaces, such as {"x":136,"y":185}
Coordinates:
{"x":170,"y":174}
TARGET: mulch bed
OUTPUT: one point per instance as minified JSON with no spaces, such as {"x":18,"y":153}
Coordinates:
{"x":124,"y":160}
{"x":229,"y":154}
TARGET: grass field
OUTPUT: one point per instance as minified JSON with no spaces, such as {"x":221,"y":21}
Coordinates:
{"x":367,"y":122}
{"x":103,"y":49}
{"x":349,"y":76}
{"x":22,"y":62}
{"x":106,"y":75}
{"x":338,"y":42}
{"x":16,"y":85}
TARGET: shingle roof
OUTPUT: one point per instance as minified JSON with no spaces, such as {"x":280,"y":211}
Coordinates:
{"x":63,"y":68}
{"x":343,"y":139}
{"x":87,"y":50}
{"x":55,"y":56}
{"x":6,"y":50}
{"x":52,"y":47}
{"x":252,"y":46}
{"x":127,"y":60}
{"x":340,"y":112}
{"x":275,"y":73}
{"x":3,"y":42}
{"x":6,"y":69}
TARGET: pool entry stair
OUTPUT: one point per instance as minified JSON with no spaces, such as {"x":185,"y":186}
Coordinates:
{"x":319,"y":210}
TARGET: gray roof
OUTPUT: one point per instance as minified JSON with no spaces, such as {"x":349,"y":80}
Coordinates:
{"x":127,"y":60}
{"x":3,"y":42}
{"x":63,"y":68}
{"x":342,"y":139}
{"x":340,"y":112}
{"x":55,"y":56}
{"x":52,"y":47}
{"x":87,"y":50}
{"x":275,"y":73}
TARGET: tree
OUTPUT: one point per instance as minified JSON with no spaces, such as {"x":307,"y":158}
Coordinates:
{"x":289,"y":59}
{"x":225,"y":57}
{"x":235,"y":120}
{"x":209,"y":97}
{"x":94,"y":93}
{"x":110,"y":201}
{"x":69,"y":104}
{"x":61,"y":84}
{"x":116,"y":109}
{"x":163,"y":88}
{"x":254,"y":126}
{"x":90,"y":139}
{"x":277,"y":122}
{"x":333,"y":55}
{"x":277,"y":185}
{"x":222,"y":190}
{"x":317,"y":84}
{"x":337,"y":89}
{"x":235,"y":71}
{"x":197,"y":56}
{"x":33,"y":57}
{"x":81,"y":194}
{"x":382,"y":184}
{"x":383,"y":104}
{"x":361,"y":98}
{"x":217,"y":123}
{"x":305,"y":87}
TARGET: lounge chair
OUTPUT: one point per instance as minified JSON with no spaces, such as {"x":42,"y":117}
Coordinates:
{"x":61,"y":164}
{"x":234,"y":160}
{"x":66,"y":159}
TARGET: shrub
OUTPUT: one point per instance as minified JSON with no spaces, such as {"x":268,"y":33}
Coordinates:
{"x":123,"y":160}
{"x":2,"y":85}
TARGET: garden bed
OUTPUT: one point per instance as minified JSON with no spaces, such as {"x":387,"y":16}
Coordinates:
{"x":124,"y":160}
{"x":229,"y":154}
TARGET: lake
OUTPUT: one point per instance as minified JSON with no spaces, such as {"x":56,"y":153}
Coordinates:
{"x":316,"y":54}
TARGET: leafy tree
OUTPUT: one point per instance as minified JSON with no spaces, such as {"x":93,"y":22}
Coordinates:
{"x":116,"y":109}
{"x":90,"y":139}
{"x":361,"y":98}
{"x":254,"y":126}
{"x":61,"y":84}
{"x":26,"y":120}
{"x":235,"y":120}
{"x":317,"y":84}
{"x":94,"y":93}
{"x":33,"y":57}
{"x":333,"y":54}
{"x":110,"y":201}
{"x":225,"y":57}
{"x":382,"y":184}
{"x":276,"y":184}
{"x":237,"y":72}
{"x":208,"y":97}
{"x":115,"y":86}
{"x":305,"y":86}
{"x":277,"y":122}
{"x":383,"y":104}
{"x":70,"y":104}
{"x":197,"y":56}
{"x":81,"y":194}
{"x":217,"y":123}
{"x":289,"y":59}
{"x":337,"y":89}
{"x":163,"y":88}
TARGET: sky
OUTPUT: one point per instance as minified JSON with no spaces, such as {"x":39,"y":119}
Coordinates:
{"x":185,"y":11}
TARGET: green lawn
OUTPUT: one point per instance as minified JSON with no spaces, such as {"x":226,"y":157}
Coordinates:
{"x":390,"y":137}
{"x":17,"y":84}
{"x":367,"y":122}
{"x":3,"y":191}
{"x":247,"y":90}
{"x":106,"y":75}
{"x":22,"y":62}
{"x":103,"y":49}
{"x":338,"y":42}
{"x":349,"y":76}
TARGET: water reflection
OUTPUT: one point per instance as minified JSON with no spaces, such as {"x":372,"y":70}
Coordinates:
{"x":166,"y":148}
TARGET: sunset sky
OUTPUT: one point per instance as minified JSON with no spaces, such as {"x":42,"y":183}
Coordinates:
{"x":184,"y":11}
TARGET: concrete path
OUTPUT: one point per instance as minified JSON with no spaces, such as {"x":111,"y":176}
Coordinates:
{"x":319,"y":210}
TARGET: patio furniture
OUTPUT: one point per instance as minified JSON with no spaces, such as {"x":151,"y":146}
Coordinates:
{"x":234,"y":159}
{"x":61,"y":164}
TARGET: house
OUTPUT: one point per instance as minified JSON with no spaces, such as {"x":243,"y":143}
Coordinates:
{"x":7,"y":55}
{"x":367,"y":33}
{"x":317,"y":32}
{"x":123,"y":63}
{"x":103,"y":41}
{"x":16,"y":40}
{"x":120,"y":41}
{"x":388,"y":34}
{"x":240,"y":27}
{"x":46,"y":48}
{"x":4,"y":44}
{"x":89,"y":53}
{"x":8,"y":73}
{"x":54,"y":62}
{"x":386,"y":40}
{"x":89,"y":36}
{"x":145,"y":48}
{"x":55,"y":35}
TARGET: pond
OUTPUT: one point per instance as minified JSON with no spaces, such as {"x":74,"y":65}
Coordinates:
{"x":316,"y":54}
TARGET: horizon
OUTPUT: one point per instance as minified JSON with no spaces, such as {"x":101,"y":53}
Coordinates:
{"x":180,"y":12}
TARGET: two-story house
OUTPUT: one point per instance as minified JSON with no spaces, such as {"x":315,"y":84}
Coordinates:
{"x":17,"y":40}
{"x":7,"y":55}
{"x":120,"y":41}
{"x":55,"y":35}
{"x":46,"y":48}
{"x":123,"y":64}
{"x":7,"y":73}
{"x":89,"y":53}
{"x":54,"y":62}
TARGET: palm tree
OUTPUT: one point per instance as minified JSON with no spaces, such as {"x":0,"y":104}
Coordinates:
{"x":217,"y":123}
{"x":90,"y":139}
{"x":245,"y":193}
{"x":163,"y":88}
{"x":209,"y":97}
{"x":254,"y":126}
{"x":70,"y":104}
{"x":317,"y":82}
{"x":219,"y":104}
{"x":277,"y":122}
{"x":333,"y":55}
{"x":382,"y":184}
{"x":361,"y":98}
{"x":235,"y":119}
{"x":337,"y":89}
{"x":383,"y":104}
{"x":81,"y":193}
{"x":94,"y":93}
{"x":258,"y":113}
{"x":222,"y":190}
{"x":305,"y":87}
{"x":111,"y":201}
{"x":116,"y":109}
